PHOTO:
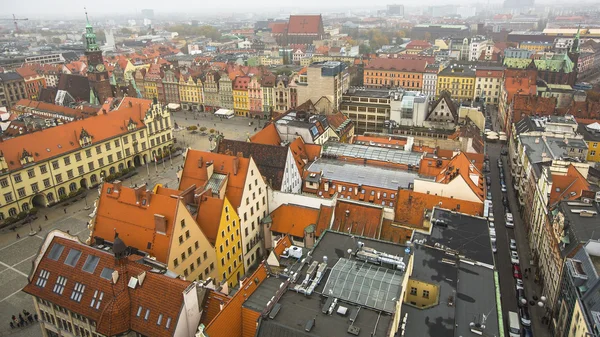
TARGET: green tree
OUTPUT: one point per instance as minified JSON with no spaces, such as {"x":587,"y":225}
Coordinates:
{"x":56,"y":40}
{"x":193,"y":31}
{"x":126,"y":30}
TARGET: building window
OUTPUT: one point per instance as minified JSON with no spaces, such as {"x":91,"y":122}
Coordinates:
{"x":43,"y":278}
{"x":4,"y":182}
{"x":55,"y":164}
{"x":183,"y":223}
{"x":31,"y":173}
{"x":67,"y":160}
{"x":425,"y":293}
{"x":34,"y":187}
{"x":77,"y":156}
{"x":8,"y":197}
{"x":98,"y":149}
{"x":77,"y":292}
{"x":46,"y":182}
{"x":59,"y":287}
{"x":21,"y":192}
{"x":97,"y":299}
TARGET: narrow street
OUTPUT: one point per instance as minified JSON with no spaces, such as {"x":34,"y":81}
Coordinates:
{"x":507,"y":282}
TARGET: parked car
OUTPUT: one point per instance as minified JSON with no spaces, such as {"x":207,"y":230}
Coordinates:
{"x":519,"y":284}
{"x":489,"y":195}
{"x":508,"y":221}
{"x":514,"y":257}
{"x":524,"y":314}
{"x":517,"y":272}
{"x":503,"y":188}
{"x":488,"y":180}
{"x":509,"y":216}
{"x":494,"y":248}
{"x":493,"y":234}
{"x":526,"y":332}
{"x":504,"y":201}
{"x":513,"y":244}
{"x":520,"y":297}
{"x":491,"y":224}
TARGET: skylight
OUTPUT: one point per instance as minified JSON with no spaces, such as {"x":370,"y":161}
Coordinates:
{"x":90,"y":264}
{"x":168,"y":323}
{"x":97,"y":299}
{"x":73,"y":257}
{"x":106,"y":273}
{"x":56,"y":251}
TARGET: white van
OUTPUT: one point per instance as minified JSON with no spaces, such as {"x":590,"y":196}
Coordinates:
{"x":514,"y":327}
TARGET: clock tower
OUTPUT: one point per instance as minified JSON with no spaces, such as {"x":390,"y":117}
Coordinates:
{"x":100,"y":88}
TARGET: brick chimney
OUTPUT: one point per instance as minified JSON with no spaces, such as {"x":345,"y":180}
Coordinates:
{"x":117,"y":186}
{"x":148,"y":197}
{"x":200,"y":162}
{"x":160,"y":223}
{"x":236,"y":163}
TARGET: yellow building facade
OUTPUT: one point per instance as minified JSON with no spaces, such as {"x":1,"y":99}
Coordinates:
{"x":190,"y":92}
{"x":241,"y":101}
{"x":228,"y":246}
{"x":42,"y":168}
{"x":458,"y":80}
{"x":593,"y":154}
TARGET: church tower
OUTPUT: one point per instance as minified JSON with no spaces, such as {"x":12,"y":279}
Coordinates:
{"x":100,"y":88}
{"x":573,"y":54}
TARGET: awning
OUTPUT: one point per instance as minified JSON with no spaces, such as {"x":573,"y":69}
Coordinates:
{"x":173,"y":106}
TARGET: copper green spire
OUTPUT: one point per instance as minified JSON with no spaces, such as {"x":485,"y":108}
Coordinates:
{"x":575,"y":46}
{"x":90,"y":36}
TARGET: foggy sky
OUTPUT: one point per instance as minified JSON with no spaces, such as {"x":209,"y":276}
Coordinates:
{"x":71,"y":9}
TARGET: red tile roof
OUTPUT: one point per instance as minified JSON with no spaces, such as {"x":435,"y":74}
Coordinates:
{"x":48,"y":107}
{"x":209,"y":216}
{"x":268,"y":135}
{"x":222,"y":164}
{"x":228,"y":322}
{"x":305,"y":24}
{"x":325,"y":214}
{"x":567,"y":187}
{"x":293,"y":219}
{"x":116,"y":312}
{"x":358,"y":219}
{"x":460,"y":165}
{"x":407,"y":65}
{"x":58,"y":140}
{"x":123,"y":210}
{"x":418,"y":44}
{"x":278,"y":27}
{"x":411,"y":206}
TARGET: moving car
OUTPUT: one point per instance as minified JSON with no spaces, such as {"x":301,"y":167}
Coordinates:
{"x":503,"y":188}
{"x":514,"y":257}
{"x":508,"y":220}
{"x":517,"y":272}
{"x":494,"y":248}
{"x":513,"y":244}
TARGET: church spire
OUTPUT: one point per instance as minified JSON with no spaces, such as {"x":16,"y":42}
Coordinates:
{"x":90,"y":36}
{"x":575,"y":46}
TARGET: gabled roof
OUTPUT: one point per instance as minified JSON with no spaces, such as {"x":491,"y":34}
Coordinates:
{"x":76,"y":85}
{"x":278,"y":27}
{"x":410,"y":207}
{"x":228,"y":322}
{"x":397,"y":64}
{"x":58,"y":140}
{"x":270,"y":159}
{"x":444,"y":98}
{"x":338,"y":121}
{"x":461,"y":165}
{"x":192,"y":174}
{"x":209,"y":216}
{"x":293,"y":219}
{"x":567,"y":187}
{"x":305,"y":24}
{"x":124,"y":210}
{"x":358,"y":219}
{"x":268,"y":135}
{"x":116,"y":312}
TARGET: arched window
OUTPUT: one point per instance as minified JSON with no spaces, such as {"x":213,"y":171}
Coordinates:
{"x":112,"y":170}
{"x":72,"y":187}
{"x":93,"y":179}
{"x":50,"y":197}
{"x":25,"y":207}
{"x":12,"y":212}
{"x":61,"y":192}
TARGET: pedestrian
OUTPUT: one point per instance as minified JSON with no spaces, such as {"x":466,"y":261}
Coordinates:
{"x":35,"y":316}
{"x":21,"y":320}
{"x":65,"y":210}
{"x":12,"y":325}
{"x":29,"y":318}
{"x":46,"y":217}
{"x":18,"y":236}
{"x":39,"y":228}
{"x":68,"y":231}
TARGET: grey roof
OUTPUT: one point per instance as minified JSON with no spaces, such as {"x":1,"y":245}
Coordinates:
{"x":297,"y":309}
{"x":529,"y":124}
{"x":553,"y":147}
{"x":368,"y":92}
{"x":263,"y":294}
{"x":216,"y":181}
{"x":389,"y":155}
{"x":475,"y":297}
{"x":437,"y":320}
{"x":588,"y":133}
{"x":10,"y":76}
{"x":470,"y":288}
{"x":587,"y":290}
{"x":579,"y":229}
{"x":367,"y":175}
{"x":466,"y":234}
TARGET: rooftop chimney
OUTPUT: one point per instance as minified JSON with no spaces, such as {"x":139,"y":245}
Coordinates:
{"x":160,"y":223}
{"x":236,"y":162}
{"x":200,"y":162}
{"x":117,"y":186}
{"x":148,"y":197}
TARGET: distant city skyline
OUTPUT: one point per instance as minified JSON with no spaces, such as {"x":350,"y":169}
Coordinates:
{"x":56,"y":9}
